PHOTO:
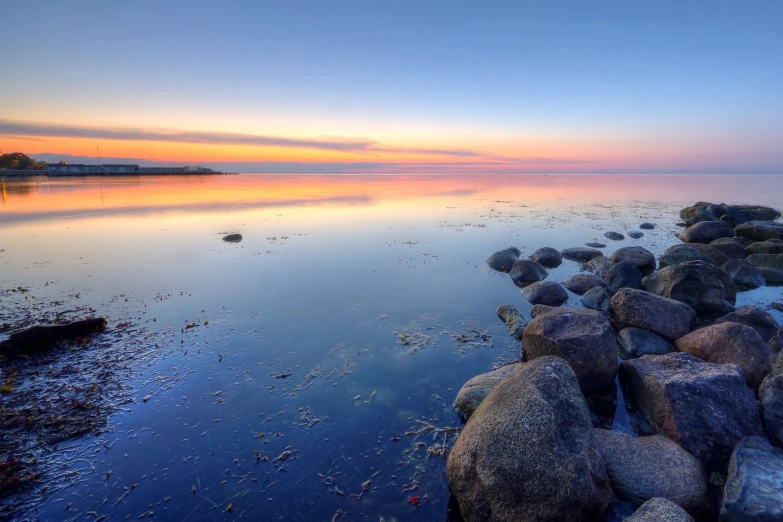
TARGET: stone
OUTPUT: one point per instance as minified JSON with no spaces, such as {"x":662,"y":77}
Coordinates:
{"x":595,"y":245}
{"x":666,"y":317}
{"x":685,"y":399}
{"x":760,"y":230}
{"x":597,"y":298}
{"x":503,"y":260}
{"x":765,"y":247}
{"x":581,"y":283}
{"x":756,"y":318}
{"x":513,"y":318}
{"x":541,"y":309}
{"x":692,"y":283}
{"x":771,"y":276}
{"x":545,"y":293}
{"x":638,"y":256}
{"x":614,"y":236}
{"x":232,"y":238}
{"x":731,"y":343}
{"x":623,"y":275}
{"x":647,"y":226}
{"x":659,"y":510}
{"x":476,"y":389}
{"x":635,"y":342}
{"x":700,"y":216}
{"x":643,"y":468}
{"x":759,"y":213}
{"x":524,"y":272}
{"x":528,"y":452}
{"x":754,"y":486}
{"x":774,"y":261}
{"x":635,"y":234}
{"x":706,"y":231}
{"x":584,"y":338}
{"x":40,"y":338}
{"x":731,"y":249}
{"x":744,"y":274}
{"x":771,"y":403}
{"x":683,"y":255}
{"x":728,"y":283}
{"x":708,"y":250}
{"x":547,"y":257}
{"x":581,"y":254}
{"x":599,"y":266}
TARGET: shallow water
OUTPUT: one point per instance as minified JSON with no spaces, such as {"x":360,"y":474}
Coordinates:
{"x":353,"y":308}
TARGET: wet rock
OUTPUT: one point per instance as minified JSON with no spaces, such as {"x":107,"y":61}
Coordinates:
{"x":581,"y":283}
{"x":700,"y":216}
{"x":528,"y":452}
{"x":614,"y":236}
{"x":771,"y":402}
{"x":730,"y":248}
{"x":728,"y":283}
{"x":754,"y":486}
{"x":540,"y":309}
{"x":647,"y":226}
{"x":584,"y":338}
{"x":744,"y":274}
{"x":758,"y":213}
{"x":638,"y":256}
{"x":599,"y":266}
{"x":513,"y":318}
{"x":760,"y":230}
{"x":635,"y":234}
{"x":595,"y":245}
{"x":692,"y":283}
{"x":756,"y":318}
{"x":771,"y":276}
{"x":503,"y":260}
{"x":774,"y":261}
{"x":685,"y":399}
{"x":643,"y":468}
{"x":765,"y":247}
{"x":476,"y":389}
{"x":40,"y":338}
{"x":659,"y":510}
{"x":731,"y":343}
{"x":545,"y":293}
{"x":776,"y":343}
{"x":706,"y":231}
{"x":635,"y":342}
{"x":232,"y":238}
{"x":683,"y":255}
{"x":623,"y":275}
{"x":581,"y":254}
{"x":708,"y":250}
{"x":524,"y":272}
{"x":740,"y":213}
{"x":666,"y":317}
{"x":547,"y":257}
{"x":597,"y":298}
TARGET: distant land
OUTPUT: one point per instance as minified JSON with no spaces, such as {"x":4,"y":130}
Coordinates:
{"x":19,"y":161}
{"x":21,"y":164}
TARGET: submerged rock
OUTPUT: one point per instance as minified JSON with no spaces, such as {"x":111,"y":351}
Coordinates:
{"x":692,"y":283}
{"x":597,"y":298}
{"x":647,"y":226}
{"x":760,"y":230}
{"x":547,"y":257}
{"x":528,"y":452}
{"x":513,"y":318}
{"x":706,"y":231}
{"x":581,"y":283}
{"x":774,"y":261}
{"x":525,"y":272}
{"x":638,"y":256}
{"x":232,"y":238}
{"x":503,"y":260}
{"x":614,"y":236}
{"x":581,"y":254}
{"x":635,"y":234}
{"x":744,"y":274}
{"x":659,"y":510}
{"x":545,"y":293}
{"x":754,"y":486}
{"x":623,"y":275}
{"x":756,"y":318}
{"x":599,"y":266}
{"x":595,"y":245}
{"x":666,"y":317}
{"x":39,"y":338}
{"x":636,"y":342}
{"x":476,"y":389}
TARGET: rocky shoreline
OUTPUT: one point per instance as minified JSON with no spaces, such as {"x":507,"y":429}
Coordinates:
{"x":703,"y":379}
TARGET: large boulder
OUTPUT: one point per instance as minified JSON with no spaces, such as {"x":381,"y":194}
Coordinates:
{"x":503,"y":260}
{"x":476,"y":389}
{"x":638,"y":256}
{"x":767,"y":260}
{"x":738,"y":213}
{"x":726,"y":280}
{"x":692,"y":283}
{"x":581,"y":254}
{"x":668,"y":318}
{"x":623,"y":275}
{"x":515,"y":321}
{"x":706,"y":231}
{"x":547,"y":257}
{"x":687,"y":400}
{"x":771,"y":402}
{"x":643,"y":468}
{"x":525,"y":272}
{"x":760,"y":230}
{"x":584,"y":338}
{"x":699,"y":216}
{"x":528,"y":452}
{"x":756,"y":318}
{"x":765,"y":247}
{"x":683,"y":254}
{"x":744,"y":274}
{"x":708,"y":250}
{"x":729,"y":248}
{"x":597,"y":298}
{"x":731,"y":343}
{"x":758,"y":212}
{"x":581,"y":283}
{"x":754,"y":486}
{"x":659,"y":510}
{"x":635,"y":342}
{"x":599,"y":266}
{"x":545,"y":293}
{"x":771,"y":276}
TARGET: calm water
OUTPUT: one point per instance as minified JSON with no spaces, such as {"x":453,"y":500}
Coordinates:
{"x":353,"y":308}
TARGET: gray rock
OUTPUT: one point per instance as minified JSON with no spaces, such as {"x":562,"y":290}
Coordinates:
{"x":643,"y":468}
{"x":659,"y":510}
{"x":581,"y":254}
{"x":232,"y":238}
{"x":581,"y":283}
{"x":647,"y":226}
{"x":685,"y":399}
{"x":771,"y":403}
{"x":638,"y":256}
{"x":584,"y":338}
{"x":528,"y":452}
{"x":692,"y":283}
{"x":754,"y":486}
{"x":774,"y":261}
{"x":730,"y":248}
{"x":683,"y":255}
{"x":765,"y":247}
{"x":614,"y":236}
{"x":513,"y":318}
{"x":595,"y":245}
{"x":772,"y":277}
{"x":541,"y":309}
{"x":706,"y":231}
{"x":708,"y":250}
{"x":545,"y":293}
{"x":635,"y":234}
{"x":760,"y":230}
{"x":503,"y":260}
{"x":728,"y":283}
{"x":597,"y":298}
{"x":666,"y":317}
{"x":744,"y":274}
{"x":756,"y":318}
{"x":524,"y":272}
{"x":476,"y":389}
{"x":700,"y":216}
{"x":547,"y":257}
{"x":599,"y":266}
{"x":623,"y":275}
{"x":636,"y":342}
{"x":758,"y":213}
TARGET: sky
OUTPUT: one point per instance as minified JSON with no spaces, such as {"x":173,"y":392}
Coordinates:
{"x":370,"y":86}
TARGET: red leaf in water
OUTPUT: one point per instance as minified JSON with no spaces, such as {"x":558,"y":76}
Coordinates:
{"x":414,"y":500}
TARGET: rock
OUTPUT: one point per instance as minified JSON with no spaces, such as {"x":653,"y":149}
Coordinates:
{"x":744,"y":274}
{"x":595,"y":245}
{"x":706,"y":231}
{"x":708,"y":250}
{"x":584,"y":338}
{"x":728,"y":283}
{"x":643,"y":468}
{"x":639,"y":257}
{"x":754,"y":486}
{"x":776,"y":343}
{"x":683,"y":255}
{"x":599,"y":266}
{"x":647,"y":226}
{"x":503,"y":260}
{"x":759,"y":213}
{"x":528,"y":452}
{"x":774,"y":261}
{"x":476,"y":389}
{"x":614,"y":236}
{"x":513,"y":318}
{"x":756,"y":318}
{"x":666,"y":317}
{"x":760,"y":230}
{"x":635,"y":234}
{"x":765,"y":247}
{"x":597,"y":298}
{"x":545,"y":293}
{"x":700,"y":216}
{"x":731,"y":249}
{"x":685,"y":399}
{"x":524,"y":272}
{"x":731,"y":343}
{"x":692,"y":283}
{"x":581,"y":283}
{"x":771,"y":403}
{"x":232,"y":238}
{"x":771,"y":276}
{"x":740,"y":213}
{"x":659,"y":510}
{"x":541,"y":309}
{"x":39,"y":338}
{"x":636,"y":342}
{"x":547,"y":257}
{"x":581,"y":254}
{"x":623,"y":275}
